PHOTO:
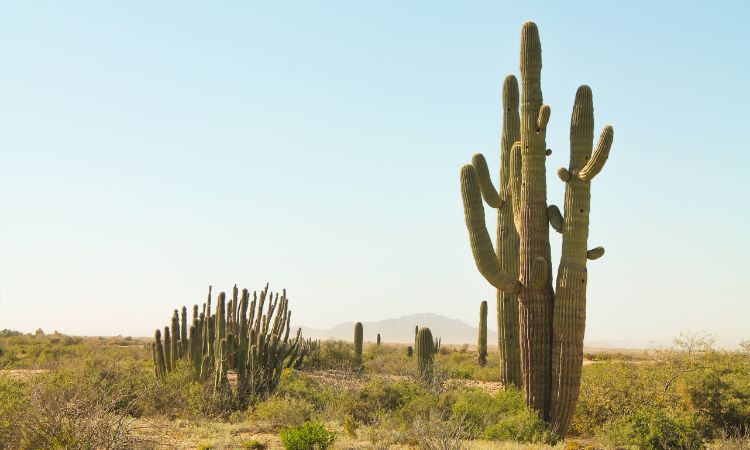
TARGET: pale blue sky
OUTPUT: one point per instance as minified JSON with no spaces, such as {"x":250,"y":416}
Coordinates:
{"x":149,"y":149}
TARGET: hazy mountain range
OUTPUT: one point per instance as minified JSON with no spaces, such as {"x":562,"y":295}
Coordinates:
{"x":401,"y":330}
{"x":454,"y":331}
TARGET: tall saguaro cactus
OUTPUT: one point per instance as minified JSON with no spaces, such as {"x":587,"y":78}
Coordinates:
{"x":358,"y":338}
{"x":425,"y":353}
{"x":551,"y":321}
{"x":482,"y":334}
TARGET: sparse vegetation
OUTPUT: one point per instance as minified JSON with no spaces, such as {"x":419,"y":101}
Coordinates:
{"x":678,"y":397}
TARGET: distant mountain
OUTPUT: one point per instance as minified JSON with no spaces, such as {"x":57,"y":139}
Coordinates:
{"x":401,"y":330}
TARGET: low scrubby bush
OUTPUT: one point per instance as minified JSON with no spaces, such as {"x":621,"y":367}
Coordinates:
{"x":653,"y":429}
{"x":308,"y":436}
{"x":520,"y":426}
{"x":280,"y":412}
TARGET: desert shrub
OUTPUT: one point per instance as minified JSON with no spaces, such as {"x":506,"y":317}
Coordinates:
{"x":284,"y":411}
{"x":378,"y":396}
{"x":612,"y":390}
{"x":437,"y":433}
{"x":296,"y":385}
{"x":254,"y":445}
{"x":308,"y":436}
{"x":333,"y":354}
{"x":653,"y":429}
{"x":13,"y":399}
{"x":480,"y":409}
{"x":522,"y":426}
{"x":722,"y":397}
{"x":78,"y":410}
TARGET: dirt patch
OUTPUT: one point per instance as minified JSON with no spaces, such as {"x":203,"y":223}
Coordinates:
{"x":20,"y":374}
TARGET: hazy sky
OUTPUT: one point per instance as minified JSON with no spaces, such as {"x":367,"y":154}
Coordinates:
{"x":149,"y":149}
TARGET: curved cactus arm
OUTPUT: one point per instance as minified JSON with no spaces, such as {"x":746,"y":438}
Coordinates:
{"x":555,"y":218}
{"x":484,"y":254}
{"x":489,"y":192}
{"x":595,"y":253}
{"x":541,"y":122}
{"x":596,"y":163}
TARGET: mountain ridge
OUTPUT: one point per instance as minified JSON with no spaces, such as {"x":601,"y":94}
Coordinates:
{"x":400,"y":330}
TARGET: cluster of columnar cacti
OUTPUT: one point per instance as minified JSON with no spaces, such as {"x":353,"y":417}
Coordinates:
{"x":482,"y":338}
{"x":425,"y":348}
{"x":248,"y":337}
{"x":436,"y":345}
{"x":358,"y":342}
{"x":550,"y":322}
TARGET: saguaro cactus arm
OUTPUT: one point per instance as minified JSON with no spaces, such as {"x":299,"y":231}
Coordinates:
{"x":484,"y":253}
{"x":595,"y":253}
{"x":596,"y":163}
{"x":489,"y":192}
{"x":555,"y":218}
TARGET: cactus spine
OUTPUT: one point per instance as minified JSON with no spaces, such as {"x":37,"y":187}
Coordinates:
{"x":358,"y":338}
{"x":482,"y":338}
{"x":551,"y":322}
{"x":425,"y":353}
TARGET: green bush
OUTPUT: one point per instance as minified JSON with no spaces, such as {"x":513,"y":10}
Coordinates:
{"x":308,"y":436}
{"x":521,"y":426}
{"x":333,"y":354}
{"x":480,"y":409}
{"x":254,"y":445}
{"x":653,"y":429}
{"x":723,"y":399}
{"x":612,"y":390}
{"x":13,"y":399}
{"x":379,"y":396}
{"x":284,"y":411}
{"x":297,"y":385}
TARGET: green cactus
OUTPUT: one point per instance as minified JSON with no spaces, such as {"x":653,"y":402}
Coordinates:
{"x":425,"y":353}
{"x":175,"y":350}
{"x":167,"y":349}
{"x":377,"y":342}
{"x":409,"y":351}
{"x":184,"y":333}
{"x":159,"y":357}
{"x":358,"y":337}
{"x":252,"y":339}
{"x":482,"y":338}
{"x":550,"y":321}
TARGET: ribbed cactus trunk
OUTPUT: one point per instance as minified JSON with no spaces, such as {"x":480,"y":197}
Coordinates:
{"x":570,"y":296}
{"x":159,"y":357}
{"x":425,"y":353}
{"x":184,"y":333}
{"x":482,"y":334}
{"x":378,"y":339}
{"x":175,"y":353}
{"x":550,"y":323}
{"x":167,"y":349}
{"x":358,"y":338}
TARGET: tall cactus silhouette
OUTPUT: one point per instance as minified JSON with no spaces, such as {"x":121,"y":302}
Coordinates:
{"x":482,"y":334}
{"x":425,"y":353}
{"x":358,"y":337}
{"x":550,"y":322}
